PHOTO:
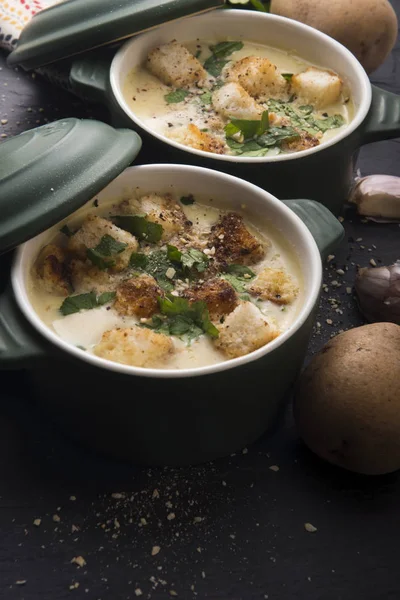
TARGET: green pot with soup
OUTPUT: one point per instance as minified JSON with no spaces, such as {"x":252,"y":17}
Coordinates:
{"x":164,"y":313}
{"x":256,"y":95}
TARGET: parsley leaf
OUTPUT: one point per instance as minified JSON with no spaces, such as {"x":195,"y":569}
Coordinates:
{"x":107,"y":247}
{"x":237,"y":284}
{"x":331,"y":122}
{"x":216,"y":62}
{"x":181,"y":314}
{"x":248,"y":128}
{"x":241,"y":271}
{"x":140,"y":227}
{"x":74,"y":304}
{"x":138,"y":260}
{"x":66,"y":231}
{"x":187,"y":200}
{"x":206,"y":98}
{"x":176,"y":96}
{"x":287,"y":76}
{"x":192,"y":258}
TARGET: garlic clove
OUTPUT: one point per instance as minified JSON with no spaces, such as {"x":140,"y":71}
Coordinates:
{"x":377,"y":196}
{"x":378,"y":293}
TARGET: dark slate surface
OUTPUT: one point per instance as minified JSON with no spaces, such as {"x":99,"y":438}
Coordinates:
{"x":238,"y":527}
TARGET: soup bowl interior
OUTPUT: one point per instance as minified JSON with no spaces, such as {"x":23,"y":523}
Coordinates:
{"x":270,"y":30}
{"x":227,"y":193}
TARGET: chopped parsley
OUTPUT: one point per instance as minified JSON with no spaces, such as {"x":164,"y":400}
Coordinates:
{"x":176,"y":96}
{"x":155,"y":264}
{"x":287,"y":76}
{"x":66,"y":231}
{"x":187,"y":200}
{"x":217,"y":61}
{"x":238,"y":276}
{"x":206,"y":98}
{"x":180,"y":317}
{"x":140,"y":227}
{"x":191,"y":259}
{"x":101,"y":255}
{"x":74,"y":304}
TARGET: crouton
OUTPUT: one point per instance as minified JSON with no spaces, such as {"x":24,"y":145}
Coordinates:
{"x":244,"y":330}
{"x":232,"y":101}
{"x":85,"y":277}
{"x":259,"y":77}
{"x":274,"y":285}
{"x":51,"y":271}
{"x":159,"y":209}
{"x":200,"y":140}
{"x":316,"y":87}
{"x":304,"y":142}
{"x":92,"y":231}
{"x":138,"y":296}
{"x":218,"y":294}
{"x":135,"y":346}
{"x":233,"y":242}
{"x":175,"y":65}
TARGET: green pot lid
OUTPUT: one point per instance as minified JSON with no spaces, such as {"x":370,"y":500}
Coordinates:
{"x":49,"y":172}
{"x":76,"y":26}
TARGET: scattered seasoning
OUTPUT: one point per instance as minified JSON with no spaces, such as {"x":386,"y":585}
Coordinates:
{"x":37,"y":522}
{"x":155,"y":550}
{"x":72,"y":498}
{"x":372,"y":262}
{"x":138,"y":592}
{"x":4,"y":121}
{"x":310,"y":528}
{"x":329,"y":321}
{"x":244,"y":451}
{"x":79,"y":560}
{"x":330,"y":258}
{"x":156,"y":494}
{"x":274,"y":468}
{"x":56,"y":518}
{"x":21,"y":582}
{"x":171,"y":516}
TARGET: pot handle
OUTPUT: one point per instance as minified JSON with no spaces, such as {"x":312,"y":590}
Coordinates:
{"x":323,"y":225}
{"x":20,"y":345}
{"x":383,"y":119}
{"x":89,"y":76}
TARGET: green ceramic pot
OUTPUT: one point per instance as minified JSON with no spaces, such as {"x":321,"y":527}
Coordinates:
{"x":324,"y":173}
{"x":158,"y":417}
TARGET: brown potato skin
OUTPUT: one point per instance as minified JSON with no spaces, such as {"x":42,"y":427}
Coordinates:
{"x":347,"y":401}
{"x":368,"y":28}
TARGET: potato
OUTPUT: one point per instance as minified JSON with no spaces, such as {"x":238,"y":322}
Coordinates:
{"x":368,"y":28}
{"x":347,"y":401}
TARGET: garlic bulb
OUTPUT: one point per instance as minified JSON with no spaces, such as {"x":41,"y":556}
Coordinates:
{"x":378,"y":293}
{"x":377,"y":196}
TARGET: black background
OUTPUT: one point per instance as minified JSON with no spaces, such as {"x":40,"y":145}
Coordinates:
{"x":238,"y":531}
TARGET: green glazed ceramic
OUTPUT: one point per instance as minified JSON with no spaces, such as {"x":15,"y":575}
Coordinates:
{"x":324,"y":173}
{"x":48,"y":172}
{"x":73,"y":26}
{"x":160,"y":417}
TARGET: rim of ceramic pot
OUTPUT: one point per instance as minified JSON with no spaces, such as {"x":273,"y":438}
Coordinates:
{"x":314,"y":264}
{"x":363,"y":84}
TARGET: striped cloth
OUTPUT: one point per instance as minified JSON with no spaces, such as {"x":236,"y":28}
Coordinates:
{"x":14,"y":15}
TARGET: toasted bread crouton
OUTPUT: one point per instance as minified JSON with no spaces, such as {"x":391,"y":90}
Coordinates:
{"x":304,"y":142}
{"x":135,"y":346}
{"x":159,"y":209}
{"x":85,"y":277}
{"x":51,"y":271}
{"x":92,"y":231}
{"x":232,"y":101}
{"x":175,"y":65}
{"x":316,"y":87}
{"x":218,"y":294}
{"x":233,"y":242}
{"x":274,"y":285}
{"x":199,"y":140}
{"x":244,"y":330}
{"x":259,"y":77}
{"x":138,"y":296}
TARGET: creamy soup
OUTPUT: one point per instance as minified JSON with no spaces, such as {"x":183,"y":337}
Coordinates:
{"x":237,"y":98}
{"x":166,"y":282}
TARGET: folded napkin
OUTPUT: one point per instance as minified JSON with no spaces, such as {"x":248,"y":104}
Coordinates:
{"x":14,"y":15}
